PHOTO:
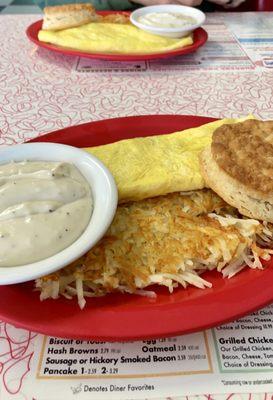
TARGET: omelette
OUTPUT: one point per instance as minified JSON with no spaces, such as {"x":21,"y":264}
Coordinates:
{"x":105,"y":37}
{"x":156,"y":165}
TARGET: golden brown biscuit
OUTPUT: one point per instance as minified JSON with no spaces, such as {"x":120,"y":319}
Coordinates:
{"x":238,"y":166}
{"x":68,"y":16}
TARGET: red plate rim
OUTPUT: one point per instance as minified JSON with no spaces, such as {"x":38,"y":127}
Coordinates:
{"x":126,"y":317}
{"x":200,"y":37}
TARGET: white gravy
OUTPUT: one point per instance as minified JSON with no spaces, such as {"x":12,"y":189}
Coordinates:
{"x":166,"y":20}
{"x":44,"y":208}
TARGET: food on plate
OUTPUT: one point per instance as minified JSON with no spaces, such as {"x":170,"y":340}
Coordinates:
{"x":44,"y":208}
{"x":168,"y":227}
{"x":118,"y":18}
{"x":68,"y":16}
{"x":66,"y":26}
{"x":238,"y":166}
{"x":157,"y":165}
{"x":167,"y":240}
{"x":99,"y":37}
{"x":167,"y":20}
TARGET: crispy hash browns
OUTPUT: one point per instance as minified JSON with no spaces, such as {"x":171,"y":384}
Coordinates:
{"x":168,"y":240}
{"x":114,"y":19}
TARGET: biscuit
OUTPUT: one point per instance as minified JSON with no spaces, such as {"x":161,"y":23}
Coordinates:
{"x":238,"y":166}
{"x":68,"y":16}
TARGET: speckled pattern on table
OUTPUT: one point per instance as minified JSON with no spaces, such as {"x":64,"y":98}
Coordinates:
{"x":41,"y":92}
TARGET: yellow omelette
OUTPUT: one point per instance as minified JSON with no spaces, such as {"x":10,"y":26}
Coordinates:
{"x":101,"y":37}
{"x":157,"y":165}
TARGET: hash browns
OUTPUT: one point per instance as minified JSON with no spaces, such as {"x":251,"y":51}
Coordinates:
{"x":168,"y":240}
{"x":118,"y":18}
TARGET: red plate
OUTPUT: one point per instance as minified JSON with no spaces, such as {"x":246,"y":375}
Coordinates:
{"x":200,"y":36}
{"x":129,"y":317}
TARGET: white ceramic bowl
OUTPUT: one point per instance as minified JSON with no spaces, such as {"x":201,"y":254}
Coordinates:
{"x":198,"y":15}
{"x":104,"y":194}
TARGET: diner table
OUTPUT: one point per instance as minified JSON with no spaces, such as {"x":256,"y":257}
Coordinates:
{"x":42,"y":91}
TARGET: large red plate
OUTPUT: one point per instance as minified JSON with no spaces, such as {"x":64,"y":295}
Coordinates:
{"x":128,"y":317}
{"x":200,"y":36}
